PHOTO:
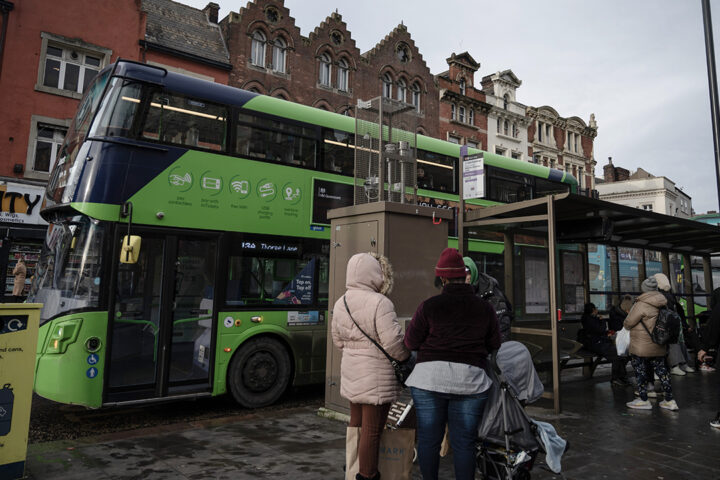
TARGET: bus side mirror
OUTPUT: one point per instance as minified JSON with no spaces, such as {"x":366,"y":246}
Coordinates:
{"x":130,"y":251}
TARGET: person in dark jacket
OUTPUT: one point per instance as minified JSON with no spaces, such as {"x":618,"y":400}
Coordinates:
{"x":452,"y":333}
{"x":711,"y":340}
{"x":488,"y":289}
{"x":678,"y":358}
{"x":618,"y":313}
{"x":598,"y":341}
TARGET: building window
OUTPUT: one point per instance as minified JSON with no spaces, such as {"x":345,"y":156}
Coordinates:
{"x":540,"y":131}
{"x":343,"y":75}
{"x":257,"y":52}
{"x":506,"y":100}
{"x":500,"y":151}
{"x":387,"y":85}
{"x":452,"y":111}
{"x":416,"y":96}
{"x":471,"y":117}
{"x":403,"y":53}
{"x":461,"y":116}
{"x":516,"y":155}
{"x":506,"y":127}
{"x":454,"y":139}
{"x":473,"y":144}
{"x":336,"y":37}
{"x":647,"y":207}
{"x":462,"y":86}
{"x":272,"y":15}
{"x":547,"y":133}
{"x":515,"y":131}
{"x":46,"y":138}
{"x":498,"y":125}
{"x":279,"y":55}
{"x":68,"y":66}
{"x":575,"y":142}
{"x":325,"y":70}
{"x":401,"y":90}
{"x":580,"y":177}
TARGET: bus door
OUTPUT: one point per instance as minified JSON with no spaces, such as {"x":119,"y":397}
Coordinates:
{"x":162,"y":319}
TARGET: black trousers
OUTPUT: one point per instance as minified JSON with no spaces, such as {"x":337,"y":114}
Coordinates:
{"x":608,"y":350}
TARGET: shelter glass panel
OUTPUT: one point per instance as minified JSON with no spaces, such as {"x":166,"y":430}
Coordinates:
{"x":630,"y":259}
{"x":602,"y":265}
{"x":700,"y":291}
{"x":573,"y":287}
{"x":677,"y":274}
{"x":536,"y":286}
{"x":653,"y":262}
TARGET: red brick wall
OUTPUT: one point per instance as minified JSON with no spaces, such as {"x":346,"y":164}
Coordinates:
{"x":302,"y":64}
{"x":115,"y":25}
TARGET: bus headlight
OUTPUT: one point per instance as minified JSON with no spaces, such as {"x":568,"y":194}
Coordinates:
{"x":63,"y":334}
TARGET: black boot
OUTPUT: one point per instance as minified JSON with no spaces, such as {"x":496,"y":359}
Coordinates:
{"x":374,"y":477}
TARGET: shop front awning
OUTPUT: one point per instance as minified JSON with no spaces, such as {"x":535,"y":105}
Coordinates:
{"x":584,"y":219}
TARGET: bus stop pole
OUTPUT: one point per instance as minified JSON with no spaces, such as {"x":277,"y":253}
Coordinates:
{"x":461,"y":202}
{"x":552,"y":259}
{"x":712,"y":81}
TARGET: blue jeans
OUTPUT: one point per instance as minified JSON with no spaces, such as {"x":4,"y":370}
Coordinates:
{"x":462,"y":414}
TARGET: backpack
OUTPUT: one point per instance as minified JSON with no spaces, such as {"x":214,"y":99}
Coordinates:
{"x":667,"y":327}
{"x":489,"y":290}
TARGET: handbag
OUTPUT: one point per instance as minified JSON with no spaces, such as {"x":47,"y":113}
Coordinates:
{"x":402,"y":369}
{"x":396,"y":453}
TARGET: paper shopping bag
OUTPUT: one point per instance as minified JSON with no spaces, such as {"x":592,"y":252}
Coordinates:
{"x":395,"y":457}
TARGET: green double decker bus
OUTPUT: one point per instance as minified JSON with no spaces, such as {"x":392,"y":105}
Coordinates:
{"x":224,"y":195}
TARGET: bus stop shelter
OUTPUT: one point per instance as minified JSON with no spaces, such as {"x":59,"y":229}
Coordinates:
{"x":571,"y":224}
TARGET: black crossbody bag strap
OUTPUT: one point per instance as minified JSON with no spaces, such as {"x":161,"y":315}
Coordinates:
{"x":391,"y":359}
{"x":646,"y":329}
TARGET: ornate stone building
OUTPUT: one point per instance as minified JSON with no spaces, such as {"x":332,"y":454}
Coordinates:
{"x":507,"y":122}
{"x":325,"y":69}
{"x":463,"y":109}
{"x":563,"y":143}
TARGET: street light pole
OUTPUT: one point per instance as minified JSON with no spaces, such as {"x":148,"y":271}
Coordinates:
{"x":712,"y":80}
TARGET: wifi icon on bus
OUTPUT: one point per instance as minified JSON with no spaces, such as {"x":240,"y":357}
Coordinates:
{"x":240,"y":186}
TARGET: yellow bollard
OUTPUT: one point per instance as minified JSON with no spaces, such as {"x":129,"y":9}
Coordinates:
{"x":18,"y":343}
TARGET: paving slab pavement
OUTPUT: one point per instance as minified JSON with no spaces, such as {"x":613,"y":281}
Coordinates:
{"x":608,"y":441}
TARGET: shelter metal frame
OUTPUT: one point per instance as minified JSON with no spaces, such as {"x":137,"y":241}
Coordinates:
{"x":570,"y":218}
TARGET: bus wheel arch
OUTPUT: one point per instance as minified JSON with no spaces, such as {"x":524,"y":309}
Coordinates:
{"x":260,"y":371}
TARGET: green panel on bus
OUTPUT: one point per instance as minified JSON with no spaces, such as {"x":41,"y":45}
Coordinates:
{"x":66,"y":371}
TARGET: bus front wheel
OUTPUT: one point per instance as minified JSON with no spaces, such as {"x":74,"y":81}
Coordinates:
{"x":259,"y":372}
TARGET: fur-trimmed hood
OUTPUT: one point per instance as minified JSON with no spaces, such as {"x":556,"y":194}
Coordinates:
{"x":369,"y":271}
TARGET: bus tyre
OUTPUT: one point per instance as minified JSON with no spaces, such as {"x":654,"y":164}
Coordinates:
{"x":259,"y":372}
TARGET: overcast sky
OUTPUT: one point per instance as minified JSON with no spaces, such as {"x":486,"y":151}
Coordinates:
{"x":638,"y":65}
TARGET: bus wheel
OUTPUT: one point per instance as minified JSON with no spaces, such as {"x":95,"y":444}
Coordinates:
{"x":259,"y":372}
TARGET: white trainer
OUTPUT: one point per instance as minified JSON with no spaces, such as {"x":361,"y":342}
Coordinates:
{"x":669,"y":405}
{"x":676,"y":370}
{"x":640,"y":404}
{"x":688,"y":368}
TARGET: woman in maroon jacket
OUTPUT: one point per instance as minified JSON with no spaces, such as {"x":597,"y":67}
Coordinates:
{"x":453,"y":333}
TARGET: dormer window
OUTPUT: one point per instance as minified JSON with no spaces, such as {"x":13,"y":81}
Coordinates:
{"x":462,"y":86}
{"x":403,"y":53}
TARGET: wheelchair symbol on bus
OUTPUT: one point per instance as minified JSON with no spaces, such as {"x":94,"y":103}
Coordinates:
{"x":93,"y":359}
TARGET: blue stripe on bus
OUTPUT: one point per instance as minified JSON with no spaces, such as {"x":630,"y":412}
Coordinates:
{"x":555,"y":175}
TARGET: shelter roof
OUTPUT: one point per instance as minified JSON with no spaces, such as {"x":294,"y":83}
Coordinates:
{"x":580,"y":219}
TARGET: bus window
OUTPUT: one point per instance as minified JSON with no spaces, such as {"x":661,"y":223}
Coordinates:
{"x":436,"y":172}
{"x":184,"y":121}
{"x":275,"y":141}
{"x":277,"y":272}
{"x":544,"y":188}
{"x":338,"y":154}
{"x":507,"y":187}
{"x":117,"y":121}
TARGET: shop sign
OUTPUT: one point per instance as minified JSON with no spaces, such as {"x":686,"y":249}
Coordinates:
{"x":21,"y":203}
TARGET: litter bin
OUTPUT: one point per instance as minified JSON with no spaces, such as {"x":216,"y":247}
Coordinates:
{"x":18,"y":343}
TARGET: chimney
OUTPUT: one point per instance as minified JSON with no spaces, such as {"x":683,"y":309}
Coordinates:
{"x":211,"y":11}
{"x":609,"y":171}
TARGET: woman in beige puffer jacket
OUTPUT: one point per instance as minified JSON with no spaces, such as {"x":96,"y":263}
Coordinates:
{"x":647,"y":356}
{"x":366,"y":377}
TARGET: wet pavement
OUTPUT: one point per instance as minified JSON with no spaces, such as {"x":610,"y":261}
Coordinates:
{"x":608,"y":441}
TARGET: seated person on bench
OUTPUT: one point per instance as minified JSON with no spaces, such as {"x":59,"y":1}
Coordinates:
{"x":597,"y":340}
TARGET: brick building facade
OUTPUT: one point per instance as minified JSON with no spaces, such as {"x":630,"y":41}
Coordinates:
{"x":325,"y":69}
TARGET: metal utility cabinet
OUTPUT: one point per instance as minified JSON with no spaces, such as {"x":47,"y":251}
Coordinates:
{"x":410,"y":236}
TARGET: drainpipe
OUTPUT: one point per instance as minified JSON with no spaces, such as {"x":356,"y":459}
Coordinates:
{"x":5,"y":7}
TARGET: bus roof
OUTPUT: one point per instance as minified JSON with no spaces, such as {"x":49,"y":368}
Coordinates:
{"x":237,"y":97}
